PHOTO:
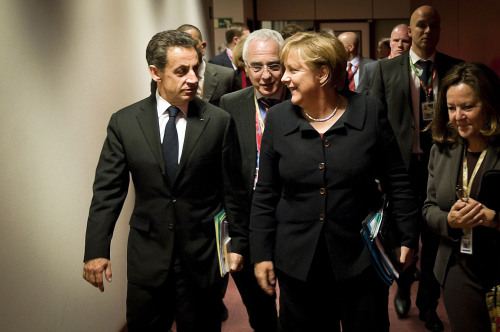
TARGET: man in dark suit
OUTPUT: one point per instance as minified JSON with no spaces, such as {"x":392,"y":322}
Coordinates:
{"x":355,"y":62}
{"x":405,"y":85}
{"x":234,"y":33}
{"x":399,"y":42}
{"x":249,"y":109}
{"x":182,"y":155}
{"x":214,"y":81}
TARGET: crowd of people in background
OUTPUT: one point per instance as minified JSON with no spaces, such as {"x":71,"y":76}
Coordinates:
{"x":294,"y":137}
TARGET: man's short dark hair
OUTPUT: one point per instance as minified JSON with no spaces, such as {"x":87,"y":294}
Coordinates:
{"x":156,"y":52}
{"x":235,"y":30}
{"x":186,"y":27}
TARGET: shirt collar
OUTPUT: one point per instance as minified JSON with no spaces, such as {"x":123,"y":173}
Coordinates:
{"x":162,"y":105}
{"x":277,"y":95}
{"x":415,"y":58}
{"x":201,"y":70}
{"x":354,"y":61}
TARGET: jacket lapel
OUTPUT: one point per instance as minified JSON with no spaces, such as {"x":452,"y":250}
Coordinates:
{"x":148,"y":121}
{"x":196,"y":122}
{"x":210,"y":83}
{"x":455,"y":167}
{"x":405,"y":80}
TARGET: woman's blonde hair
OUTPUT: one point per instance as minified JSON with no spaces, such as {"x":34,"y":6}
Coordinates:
{"x":319,"y":50}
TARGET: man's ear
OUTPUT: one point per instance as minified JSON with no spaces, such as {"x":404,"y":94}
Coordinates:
{"x":203,"y":47}
{"x":155,"y":73}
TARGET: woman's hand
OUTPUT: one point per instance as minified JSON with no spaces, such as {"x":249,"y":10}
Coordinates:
{"x":470,"y":214}
{"x":264,"y":272}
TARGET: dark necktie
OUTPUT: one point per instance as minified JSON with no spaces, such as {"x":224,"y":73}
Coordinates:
{"x":426,"y":71}
{"x":425,"y":137}
{"x":268,"y":102}
{"x":171,"y":144}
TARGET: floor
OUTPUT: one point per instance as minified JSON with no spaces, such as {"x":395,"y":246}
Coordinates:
{"x":238,"y":318}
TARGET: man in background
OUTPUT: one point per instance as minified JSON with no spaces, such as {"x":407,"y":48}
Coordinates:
{"x":355,"y":62}
{"x":214,"y":81}
{"x":233,"y":34}
{"x":408,"y":87}
{"x":249,"y":108}
{"x":399,"y":42}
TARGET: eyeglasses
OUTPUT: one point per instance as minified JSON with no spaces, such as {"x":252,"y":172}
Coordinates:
{"x":272,"y":68}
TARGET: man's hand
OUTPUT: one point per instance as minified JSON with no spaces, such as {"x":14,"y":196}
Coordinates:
{"x":93,"y":270}
{"x":264,"y":272}
{"x":406,"y":257}
{"x":235,"y":262}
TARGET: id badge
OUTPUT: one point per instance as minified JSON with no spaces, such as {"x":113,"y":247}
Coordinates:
{"x":428,"y":110}
{"x":466,"y":242}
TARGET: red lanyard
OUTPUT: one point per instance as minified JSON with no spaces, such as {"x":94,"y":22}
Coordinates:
{"x":427,"y":87}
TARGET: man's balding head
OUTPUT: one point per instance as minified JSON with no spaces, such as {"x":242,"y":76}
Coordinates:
{"x":351,"y":44}
{"x":424,"y":29}
{"x":400,"y":40}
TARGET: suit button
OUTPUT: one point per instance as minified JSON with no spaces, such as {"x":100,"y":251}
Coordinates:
{"x":321,"y":165}
{"x":322,"y":191}
{"x":326,"y":143}
{"x":171,"y":227}
{"x":321,"y":217}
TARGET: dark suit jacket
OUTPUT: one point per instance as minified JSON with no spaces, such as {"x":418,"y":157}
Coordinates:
{"x":444,"y":170}
{"x":218,"y":82}
{"x":366,"y":80}
{"x":165,"y":215}
{"x":391,"y":84}
{"x":311,"y":186}
{"x":362,"y":63}
{"x":241,"y":106}
{"x":222,"y":59}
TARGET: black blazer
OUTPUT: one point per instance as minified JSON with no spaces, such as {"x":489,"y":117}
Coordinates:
{"x":241,"y":106}
{"x":444,"y":169}
{"x":222,"y":59}
{"x":217,"y":82}
{"x":311,"y":186}
{"x":391,"y":84}
{"x":166,"y":214}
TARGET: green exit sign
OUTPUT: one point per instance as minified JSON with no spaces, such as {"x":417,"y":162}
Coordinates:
{"x":223,"y":22}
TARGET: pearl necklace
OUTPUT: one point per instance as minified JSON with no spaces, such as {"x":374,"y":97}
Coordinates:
{"x":324,"y":119}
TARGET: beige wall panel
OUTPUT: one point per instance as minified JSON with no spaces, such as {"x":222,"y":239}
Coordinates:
{"x":385,"y":9}
{"x":343,"y":10}
{"x":278,"y":10}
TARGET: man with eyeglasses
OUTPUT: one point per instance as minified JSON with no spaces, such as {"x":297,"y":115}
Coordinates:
{"x":249,"y":108}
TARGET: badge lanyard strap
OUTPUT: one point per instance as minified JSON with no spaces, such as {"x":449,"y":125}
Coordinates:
{"x":427,"y":87}
{"x":466,"y":183}
{"x":259,"y":123}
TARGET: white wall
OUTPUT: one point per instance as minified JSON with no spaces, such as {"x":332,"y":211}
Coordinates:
{"x":66,"y":65}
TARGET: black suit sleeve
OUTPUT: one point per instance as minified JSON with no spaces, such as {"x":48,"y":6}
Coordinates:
{"x":395,"y":182}
{"x":235,"y":194}
{"x":110,"y":190}
{"x":266,"y":196}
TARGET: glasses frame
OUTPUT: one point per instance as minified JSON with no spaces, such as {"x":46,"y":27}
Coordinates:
{"x":260,"y":68}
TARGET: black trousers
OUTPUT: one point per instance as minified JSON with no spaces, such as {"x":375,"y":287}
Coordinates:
{"x":464,"y":299}
{"x":323,"y":304}
{"x":261,"y":308}
{"x":179,"y":298}
{"x":428,"y":289}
